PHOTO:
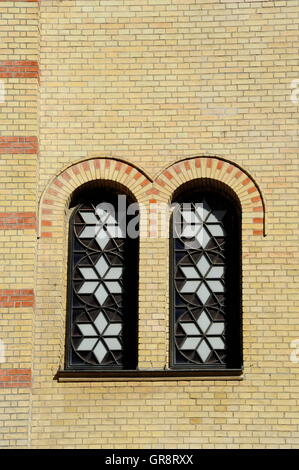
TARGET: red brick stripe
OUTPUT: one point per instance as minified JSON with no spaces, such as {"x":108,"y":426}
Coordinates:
{"x":19,"y":69}
{"x":17,"y":220}
{"x":20,"y":1}
{"x":21,"y":145}
{"x":13,"y":298}
{"x":20,"y":378}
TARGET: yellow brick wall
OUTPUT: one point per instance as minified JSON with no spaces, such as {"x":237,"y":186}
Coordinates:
{"x":152,"y":83}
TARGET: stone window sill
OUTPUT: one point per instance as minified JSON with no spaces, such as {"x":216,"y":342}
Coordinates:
{"x":147,"y":375}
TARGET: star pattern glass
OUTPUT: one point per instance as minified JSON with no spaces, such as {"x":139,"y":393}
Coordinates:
{"x":203,"y":279}
{"x":99,"y":295}
{"x":203,"y":336}
{"x":100,"y":337}
{"x":200,"y":288}
{"x":198,"y":224}
{"x":101,"y":280}
{"x":100,"y":225}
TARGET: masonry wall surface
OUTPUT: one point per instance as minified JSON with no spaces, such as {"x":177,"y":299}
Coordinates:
{"x":149,"y":93}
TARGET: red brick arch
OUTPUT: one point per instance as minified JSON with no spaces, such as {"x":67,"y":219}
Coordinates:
{"x":58,"y":192}
{"x":160,"y":189}
{"x":244,"y":186}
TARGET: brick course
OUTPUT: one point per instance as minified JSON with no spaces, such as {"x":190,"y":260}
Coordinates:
{"x":16,"y":298}
{"x":20,"y":145}
{"x":17,"y":378}
{"x":19,"y":69}
{"x":17,"y":220}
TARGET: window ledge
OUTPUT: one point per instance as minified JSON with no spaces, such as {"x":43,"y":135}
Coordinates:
{"x":147,"y":375}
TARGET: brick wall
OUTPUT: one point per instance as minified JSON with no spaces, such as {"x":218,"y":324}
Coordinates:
{"x":150,"y":94}
{"x":19,"y":84}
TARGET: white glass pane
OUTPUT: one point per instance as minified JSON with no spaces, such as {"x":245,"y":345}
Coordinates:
{"x":114,"y":273}
{"x":113,"y":287}
{"x":203,"y":265}
{"x":111,"y":220}
{"x":190,"y":231}
{"x":216,"y":343}
{"x":203,"y":322}
{"x":100,"y":322}
{"x":203,"y":293}
{"x":203,"y":351}
{"x":216,"y":286}
{"x":102,"y":239}
{"x":87,"y":330}
{"x":190,"y":272}
{"x":216,"y":230}
{"x":190,"y":328}
{"x":89,"y":232}
{"x":89,"y":218}
{"x":203,"y":238}
{"x":101,"y":266}
{"x":100,"y":351}
{"x":115,"y":231}
{"x":101,"y":213}
{"x":216,"y":272}
{"x":88,"y":287}
{"x":113,"y":329}
{"x":216,"y":329}
{"x":189,"y":217}
{"x":88,"y":273}
{"x":87,"y":344}
{"x":190,"y":343}
{"x":202,"y":210}
{"x":190,"y":287}
{"x":101,"y":294}
{"x":113,"y":344}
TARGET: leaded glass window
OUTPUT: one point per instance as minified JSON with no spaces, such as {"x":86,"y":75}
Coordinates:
{"x":206,"y":310}
{"x":102,"y":326}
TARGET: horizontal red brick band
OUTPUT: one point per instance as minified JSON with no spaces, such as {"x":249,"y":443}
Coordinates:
{"x":19,"y":68}
{"x":20,"y":1}
{"x":16,"y":298}
{"x":21,"y":378}
{"x":17,"y":220}
{"x":21,"y":145}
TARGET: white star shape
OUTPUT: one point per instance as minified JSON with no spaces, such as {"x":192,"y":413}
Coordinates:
{"x":200,"y":276}
{"x":100,"y":337}
{"x":203,"y":345}
{"x":202,"y":223}
{"x":100,"y":225}
{"x":101,"y":280}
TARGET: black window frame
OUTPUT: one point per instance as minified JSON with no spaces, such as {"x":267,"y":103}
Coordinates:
{"x":94,"y":194}
{"x":186,"y":194}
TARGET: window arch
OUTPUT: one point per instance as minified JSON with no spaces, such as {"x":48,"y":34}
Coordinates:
{"x":102,"y":279}
{"x":206,"y":277}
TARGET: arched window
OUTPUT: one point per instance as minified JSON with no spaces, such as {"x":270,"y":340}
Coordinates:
{"x":103,"y":276}
{"x":206,"y":278}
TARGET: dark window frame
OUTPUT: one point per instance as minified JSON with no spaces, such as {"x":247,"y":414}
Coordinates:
{"x":234,"y":363}
{"x":97,"y":194}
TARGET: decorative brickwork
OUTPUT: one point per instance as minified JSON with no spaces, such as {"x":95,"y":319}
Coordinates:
{"x":13,"y":298}
{"x":19,"y":145}
{"x":162,"y":187}
{"x":60,"y":189}
{"x":217,"y":169}
{"x":19,"y":69}
{"x":17,"y":220}
{"x":20,"y":1}
{"x":15,"y":378}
